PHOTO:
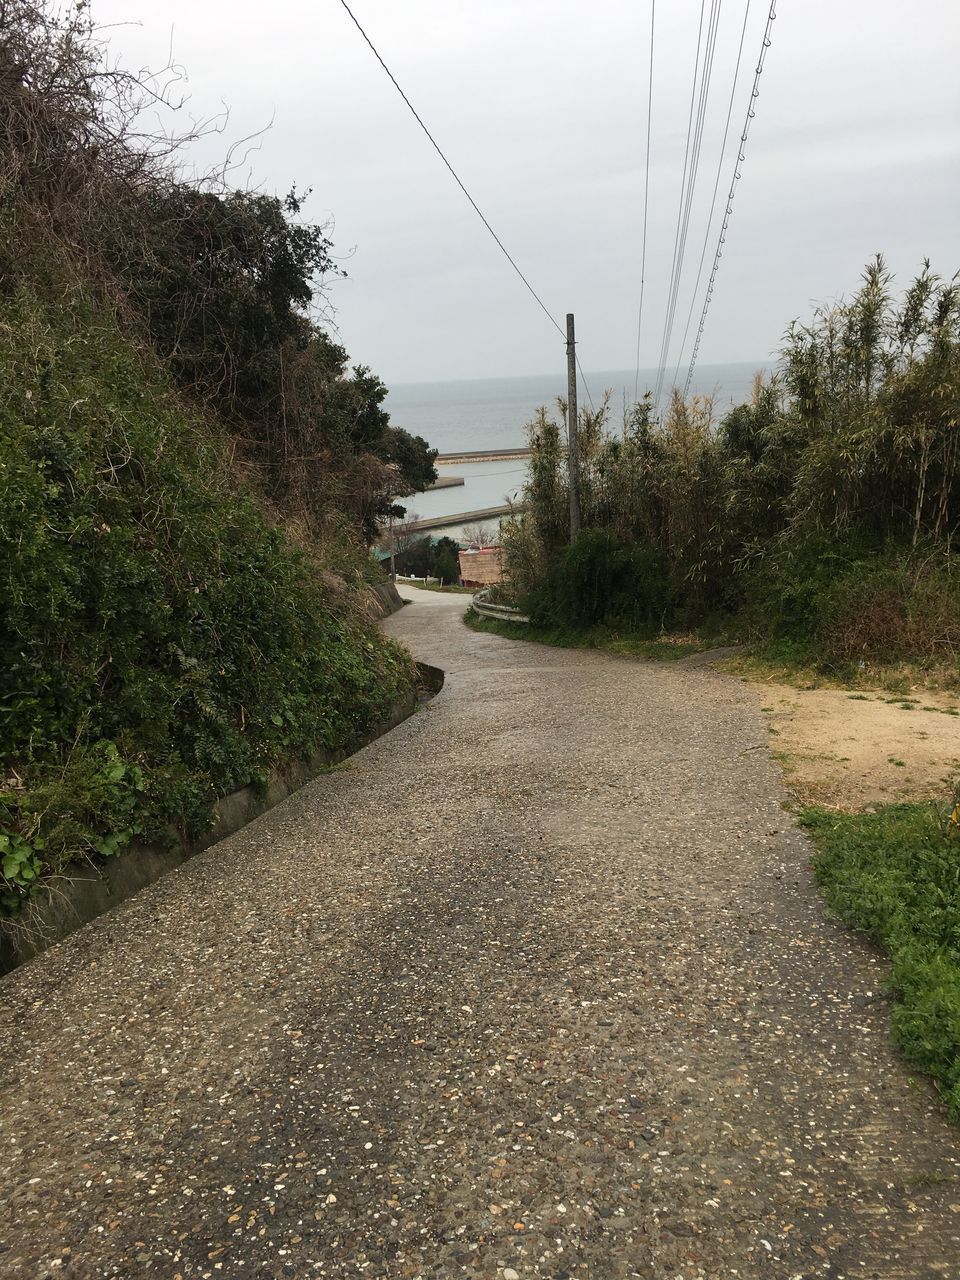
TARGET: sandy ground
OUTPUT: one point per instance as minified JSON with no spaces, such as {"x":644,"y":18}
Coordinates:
{"x":851,"y":750}
{"x":538,"y":986}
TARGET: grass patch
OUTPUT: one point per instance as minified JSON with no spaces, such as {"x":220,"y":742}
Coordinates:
{"x":792,"y":664}
{"x":783,"y":662}
{"x":895,"y":875}
{"x":450,"y":589}
{"x":656,"y":649}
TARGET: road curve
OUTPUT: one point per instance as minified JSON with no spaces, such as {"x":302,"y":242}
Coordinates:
{"x":537,"y":985}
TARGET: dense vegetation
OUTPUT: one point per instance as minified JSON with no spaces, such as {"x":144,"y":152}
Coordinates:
{"x":420,"y":556}
{"x":823,"y":514}
{"x":189,"y":475}
{"x":894,"y":875}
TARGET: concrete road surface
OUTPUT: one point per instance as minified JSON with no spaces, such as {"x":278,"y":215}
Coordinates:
{"x":537,"y":985}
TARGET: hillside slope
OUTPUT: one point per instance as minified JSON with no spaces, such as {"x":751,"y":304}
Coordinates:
{"x":164,"y":644}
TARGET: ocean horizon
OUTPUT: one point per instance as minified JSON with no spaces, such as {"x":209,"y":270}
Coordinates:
{"x":490,"y":413}
{"x":457,"y":415}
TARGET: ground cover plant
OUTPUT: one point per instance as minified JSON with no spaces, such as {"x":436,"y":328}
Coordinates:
{"x":895,"y":875}
{"x":660,"y":649}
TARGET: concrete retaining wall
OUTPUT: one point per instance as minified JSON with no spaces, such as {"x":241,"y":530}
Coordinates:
{"x":87,"y":891}
{"x":387,"y":598}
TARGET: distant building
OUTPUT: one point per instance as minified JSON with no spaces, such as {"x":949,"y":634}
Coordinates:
{"x":483,"y":568}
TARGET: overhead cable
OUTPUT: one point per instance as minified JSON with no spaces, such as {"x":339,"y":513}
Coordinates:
{"x":583,"y":379}
{"x":741,"y":156}
{"x":646,"y":202}
{"x":436,"y":146}
{"x":683,"y":180}
{"x":716,"y":188}
{"x":688,"y":188}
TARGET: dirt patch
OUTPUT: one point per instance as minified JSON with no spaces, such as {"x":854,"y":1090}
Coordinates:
{"x":852,"y":749}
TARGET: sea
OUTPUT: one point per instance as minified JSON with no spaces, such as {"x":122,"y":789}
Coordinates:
{"x":491,"y":413}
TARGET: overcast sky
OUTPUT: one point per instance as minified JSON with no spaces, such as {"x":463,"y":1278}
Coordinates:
{"x":541,"y":107}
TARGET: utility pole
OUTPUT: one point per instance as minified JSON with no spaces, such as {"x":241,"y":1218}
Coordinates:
{"x":573,"y":459}
{"x":393,"y":552}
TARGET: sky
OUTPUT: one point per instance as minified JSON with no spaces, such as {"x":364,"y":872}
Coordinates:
{"x":541,"y":107}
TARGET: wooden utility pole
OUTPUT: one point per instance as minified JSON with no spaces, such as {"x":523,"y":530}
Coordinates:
{"x":573,"y":458}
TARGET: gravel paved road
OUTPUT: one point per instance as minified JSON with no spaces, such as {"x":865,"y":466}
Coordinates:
{"x":538,"y":985}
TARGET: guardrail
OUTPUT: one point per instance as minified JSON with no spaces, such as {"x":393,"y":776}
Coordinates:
{"x":482,"y":604}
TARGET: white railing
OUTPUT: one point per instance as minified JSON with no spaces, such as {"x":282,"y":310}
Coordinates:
{"x":482,"y":604}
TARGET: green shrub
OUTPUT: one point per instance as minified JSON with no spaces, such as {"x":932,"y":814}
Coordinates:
{"x":895,"y":874}
{"x":841,"y":602}
{"x":822,"y":514}
{"x":894,"y":607}
{"x":600,"y":579}
{"x":446,"y":566}
{"x":163,"y":643}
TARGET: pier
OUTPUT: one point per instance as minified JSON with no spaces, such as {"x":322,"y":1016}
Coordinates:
{"x":483,"y":455}
{"x":454,"y":520}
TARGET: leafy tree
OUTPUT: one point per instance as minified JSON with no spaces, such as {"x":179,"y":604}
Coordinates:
{"x":225,"y":283}
{"x":446,"y":560}
{"x":415,"y":559}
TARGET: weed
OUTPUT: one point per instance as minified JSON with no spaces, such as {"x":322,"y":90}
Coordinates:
{"x":895,"y":875}
{"x":449,"y":589}
{"x":656,"y":649}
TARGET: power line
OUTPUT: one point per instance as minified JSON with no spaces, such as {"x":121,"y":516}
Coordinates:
{"x":453,"y":173}
{"x":741,"y":156}
{"x":646,"y":202}
{"x":713,"y":200}
{"x":695,"y":125}
{"x":705,"y":81}
{"x":698,"y":143}
{"x":683,"y":180}
{"x":583,"y":379}
{"x":539,"y":301}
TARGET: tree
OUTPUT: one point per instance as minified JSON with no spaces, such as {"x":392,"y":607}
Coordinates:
{"x":479,"y":535}
{"x":224,"y":284}
{"x":446,"y":560}
{"x":416,"y":559}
